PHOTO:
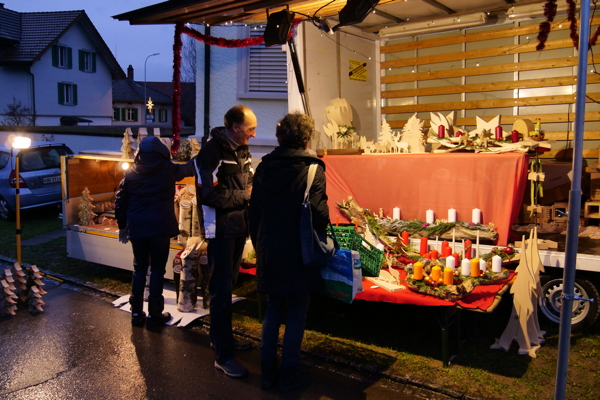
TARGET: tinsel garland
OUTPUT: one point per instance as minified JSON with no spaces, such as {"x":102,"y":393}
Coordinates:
{"x":231,"y":43}
{"x":176,"y":114}
{"x":549,"y":13}
{"x":571,"y":18}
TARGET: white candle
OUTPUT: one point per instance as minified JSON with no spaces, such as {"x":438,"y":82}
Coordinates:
{"x":429,"y":216}
{"x":396,"y":213}
{"x":496,"y":264}
{"x":465,"y":267}
{"x":450,"y":262}
{"x":452,"y":215}
{"x":482,"y":265}
{"x":476,"y":216}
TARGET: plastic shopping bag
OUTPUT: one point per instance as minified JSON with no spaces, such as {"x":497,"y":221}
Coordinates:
{"x":340,"y":281}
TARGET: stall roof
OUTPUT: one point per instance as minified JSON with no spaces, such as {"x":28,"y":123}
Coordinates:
{"x":386,"y":12}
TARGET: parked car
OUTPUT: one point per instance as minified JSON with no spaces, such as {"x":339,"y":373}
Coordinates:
{"x":39,"y":176}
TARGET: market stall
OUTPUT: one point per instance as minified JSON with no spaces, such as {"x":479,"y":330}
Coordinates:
{"x":415,"y":183}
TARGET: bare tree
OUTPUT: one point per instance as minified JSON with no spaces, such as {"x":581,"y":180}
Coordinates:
{"x":188,"y":59}
{"x":15,"y":114}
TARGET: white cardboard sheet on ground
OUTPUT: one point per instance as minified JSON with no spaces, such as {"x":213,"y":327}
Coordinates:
{"x":182,"y":319}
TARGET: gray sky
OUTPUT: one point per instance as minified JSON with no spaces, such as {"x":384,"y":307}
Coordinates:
{"x":130,"y":44}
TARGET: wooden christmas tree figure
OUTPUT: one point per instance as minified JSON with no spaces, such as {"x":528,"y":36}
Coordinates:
{"x":127,"y":147}
{"x":86,"y":214}
{"x":7,"y":298}
{"x":519,"y":325}
{"x":20,"y":281}
{"x":412,"y":133}
{"x":535,"y":333}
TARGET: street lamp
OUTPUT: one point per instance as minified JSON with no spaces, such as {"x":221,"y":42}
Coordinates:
{"x":155,"y":54}
{"x":18,"y":142}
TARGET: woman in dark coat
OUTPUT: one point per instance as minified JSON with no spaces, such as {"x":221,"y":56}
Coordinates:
{"x":145,"y":214}
{"x":274,"y":213}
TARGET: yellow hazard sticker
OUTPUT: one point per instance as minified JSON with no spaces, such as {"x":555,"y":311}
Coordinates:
{"x":357,"y":70}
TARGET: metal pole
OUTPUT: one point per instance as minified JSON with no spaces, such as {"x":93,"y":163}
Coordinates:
{"x":18,"y":208}
{"x":144,"y":102}
{"x":574,"y":208}
{"x":298,"y":73}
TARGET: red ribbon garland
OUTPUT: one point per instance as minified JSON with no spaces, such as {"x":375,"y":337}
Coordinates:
{"x":176,"y":114}
{"x":571,"y":18}
{"x":232,"y":43}
{"x":549,"y":13}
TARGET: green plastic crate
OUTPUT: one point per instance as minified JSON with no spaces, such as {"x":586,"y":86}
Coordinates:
{"x":370,"y":256}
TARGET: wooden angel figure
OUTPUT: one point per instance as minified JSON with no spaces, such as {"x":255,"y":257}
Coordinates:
{"x":86,"y":214}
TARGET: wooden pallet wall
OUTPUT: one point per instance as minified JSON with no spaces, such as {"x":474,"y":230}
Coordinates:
{"x":493,"y":71}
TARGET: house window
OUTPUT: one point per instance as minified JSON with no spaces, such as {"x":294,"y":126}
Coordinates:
{"x":67,"y":93}
{"x":162,"y":115}
{"x":87,"y":61}
{"x":62,"y":56}
{"x":116,"y":114}
{"x":263,"y":71}
{"x":131,"y":114}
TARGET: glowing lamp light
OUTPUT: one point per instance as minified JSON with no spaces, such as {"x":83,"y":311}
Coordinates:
{"x":21,"y":142}
{"x":125,"y":166}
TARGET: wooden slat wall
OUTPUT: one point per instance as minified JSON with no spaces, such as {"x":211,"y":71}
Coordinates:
{"x":493,"y":71}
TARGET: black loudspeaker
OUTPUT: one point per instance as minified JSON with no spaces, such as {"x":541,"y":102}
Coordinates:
{"x":278,"y":27}
{"x":355,"y":11}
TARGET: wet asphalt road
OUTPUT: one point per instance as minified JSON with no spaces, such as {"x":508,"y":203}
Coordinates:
{"x":82,"y":347}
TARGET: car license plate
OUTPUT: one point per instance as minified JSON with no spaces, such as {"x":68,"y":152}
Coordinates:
{"x":51,"y":179}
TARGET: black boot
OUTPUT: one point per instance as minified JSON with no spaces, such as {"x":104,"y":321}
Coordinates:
{"x":293,"y":378}
{"x":156,"y":316}
{"x":137,"y":310}
{"x":268,"y":378}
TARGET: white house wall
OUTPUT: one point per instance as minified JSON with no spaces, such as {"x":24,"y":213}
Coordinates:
{"x":223,"y":89}
{"x":94,"y":90}
{"x":15,"y":82}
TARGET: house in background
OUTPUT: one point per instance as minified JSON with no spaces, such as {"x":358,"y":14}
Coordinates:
{"x":57,"y":66}
{"x":129,"y":108}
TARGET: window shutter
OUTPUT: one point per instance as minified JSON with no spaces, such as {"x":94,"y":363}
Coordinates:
{"x":93,"y":62}
{"x":55,"y":56}
{"x":61,"y":93}
{"x":123,"y":114}
{"x":74,"y":86}
{"x":116,"y":114}
{"x":81,"y":60}
{"x":135,"y":114}
{"x":267,"y":67}
{"x":69,"y":57}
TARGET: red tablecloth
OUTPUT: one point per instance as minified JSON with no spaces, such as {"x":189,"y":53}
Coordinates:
{"x":494,"y":183}
{"x":481,"y":297}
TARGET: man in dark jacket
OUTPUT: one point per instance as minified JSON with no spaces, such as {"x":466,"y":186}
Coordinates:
{"x":224,"y":177}
{"x":275,"y":209}
{"x":146,"y":216}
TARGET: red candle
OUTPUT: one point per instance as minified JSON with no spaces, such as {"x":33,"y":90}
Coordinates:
{"x":424,"y":246}
{"x":427,"y":256}
{"x":441,"y":131}
{"x":514,"y":136}
{"x":457,"y":258}
{"x":458,"y":133}
{"x":447,"y":251}
{"x":498,"y":133}
{"x":405,"y":238}
{"x":444,"y":245}
{"x":468,"y":249}
{"x":337,"y":220}
{"x":435,"y":254}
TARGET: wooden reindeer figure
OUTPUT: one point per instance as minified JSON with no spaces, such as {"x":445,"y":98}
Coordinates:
{"x":188,"y":279}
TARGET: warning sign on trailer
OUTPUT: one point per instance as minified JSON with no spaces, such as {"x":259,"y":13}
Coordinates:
{"x":357,"y":70}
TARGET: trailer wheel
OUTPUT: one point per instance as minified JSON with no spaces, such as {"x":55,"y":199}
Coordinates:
{"x":584,"y":314}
